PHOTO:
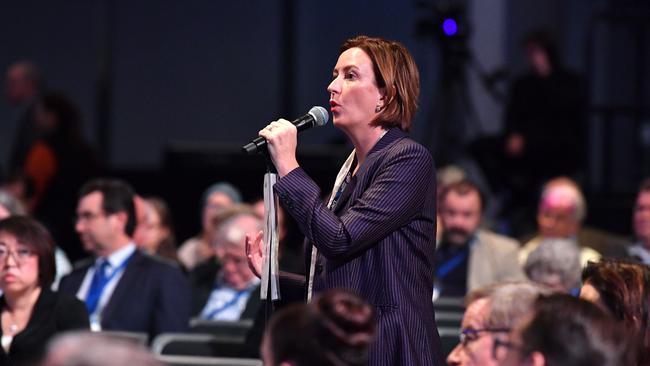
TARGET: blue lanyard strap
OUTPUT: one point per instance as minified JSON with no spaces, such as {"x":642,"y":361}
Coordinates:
{"x":99,"y":282}
{"x":451,"y":264}
{"x":230,"y":303}
{"x":338,"y":194}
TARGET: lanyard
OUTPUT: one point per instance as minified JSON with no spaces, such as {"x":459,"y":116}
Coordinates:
{"x":451,"y":264}
{"x":230,"y":303}
{"x":339,"y":193}
{"x":99,"y":282}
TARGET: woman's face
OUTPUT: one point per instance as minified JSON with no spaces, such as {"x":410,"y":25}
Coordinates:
{"x":153,"y":232}
{"x":216,"y":203}
{"x":4,"y":213}
{"x":18,"y":265}
{"x":354,"y":94}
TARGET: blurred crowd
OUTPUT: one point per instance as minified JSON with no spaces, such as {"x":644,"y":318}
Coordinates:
{"x":552,"y":292}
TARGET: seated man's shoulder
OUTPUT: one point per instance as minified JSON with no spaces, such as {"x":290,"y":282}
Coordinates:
{"x":490,"y":238}
{"x":83,"y":264}
{"x":157,"y":264}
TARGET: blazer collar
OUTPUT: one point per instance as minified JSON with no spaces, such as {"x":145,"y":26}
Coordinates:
{"x":391,"y":136}
{"x":123,"y":285}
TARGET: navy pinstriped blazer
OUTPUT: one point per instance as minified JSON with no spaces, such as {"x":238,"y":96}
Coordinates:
{"x":379,"y":242}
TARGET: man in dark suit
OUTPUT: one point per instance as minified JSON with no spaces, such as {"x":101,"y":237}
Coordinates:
{"x":223,"y":287}
{"x":124,"y":289}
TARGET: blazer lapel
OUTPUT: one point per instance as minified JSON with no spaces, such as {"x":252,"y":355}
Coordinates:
{"x":391,"y":136}
{"x":125,"y":282}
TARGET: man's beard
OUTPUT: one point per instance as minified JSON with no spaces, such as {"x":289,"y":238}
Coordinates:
{"x":456,"y":236}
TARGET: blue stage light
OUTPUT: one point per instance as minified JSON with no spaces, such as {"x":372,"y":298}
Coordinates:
{"x":450,"y":27}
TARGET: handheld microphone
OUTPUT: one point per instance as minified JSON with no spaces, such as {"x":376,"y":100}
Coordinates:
{"x":316,"y":117}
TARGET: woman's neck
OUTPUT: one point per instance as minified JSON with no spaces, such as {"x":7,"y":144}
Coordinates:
{"x":22,"y":301}
{"x":364,"y":140}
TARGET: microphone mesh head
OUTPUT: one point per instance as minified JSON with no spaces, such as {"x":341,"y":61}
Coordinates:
{"x":320,"y":116}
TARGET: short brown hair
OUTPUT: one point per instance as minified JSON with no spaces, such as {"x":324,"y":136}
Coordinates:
{"x":396,"y":72}
{"x":35,"y":236}
{"x":461,"y":188}
{"x":624,"y":288}
{"x":117,"y":196}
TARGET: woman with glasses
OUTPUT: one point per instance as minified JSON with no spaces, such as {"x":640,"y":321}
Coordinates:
{"x":30,"y":313}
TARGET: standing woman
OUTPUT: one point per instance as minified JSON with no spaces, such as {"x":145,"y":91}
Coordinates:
{"x":376,"y":233}
{"x":31,"y":314}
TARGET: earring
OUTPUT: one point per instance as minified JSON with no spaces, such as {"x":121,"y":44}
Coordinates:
{"x":378,"y":109}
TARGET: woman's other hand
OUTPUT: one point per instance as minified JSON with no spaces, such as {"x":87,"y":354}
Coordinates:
{"x":255,"y":253}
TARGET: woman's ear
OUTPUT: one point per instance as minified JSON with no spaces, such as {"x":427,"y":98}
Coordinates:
{"x":381,"y":103}
{"x":383,"y":99}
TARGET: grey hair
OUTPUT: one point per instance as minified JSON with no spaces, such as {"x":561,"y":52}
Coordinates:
{"x":568,"y":188}
{"x":83,"y":348}
{"x":222,"y":187}
{"x":555,"y":257}
{"x":510,"y":301}
{"x":227,"y":231}
{"x":11,"y":204}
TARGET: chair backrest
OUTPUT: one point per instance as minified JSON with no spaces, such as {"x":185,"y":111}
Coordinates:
{"x":221,"y":328}
{"x":447,"y":303}
{"x":450,"y":319}
{"x":207,"y":361}
{"x":191,"y":344}
{"x":132,"y":337}
{"x":448,"y":338}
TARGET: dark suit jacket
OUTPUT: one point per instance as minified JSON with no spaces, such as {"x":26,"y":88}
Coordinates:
{"x":379,"y":242}
{"x":202,"y":278}
{"x":152,"y":296}
{"x":53,"y":313}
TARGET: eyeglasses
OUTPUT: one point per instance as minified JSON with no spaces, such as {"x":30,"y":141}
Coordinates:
{"x":20,"y":254}
{"x":468,"y":335}
{"x":87,"y":216}
{"x":506,"y":344}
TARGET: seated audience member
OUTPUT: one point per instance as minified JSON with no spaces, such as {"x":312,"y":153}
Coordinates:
{"x":31,"y":312}
{"x":96,"y":349}
{"x":560,"y":214}
{"x":641,"y":223}
{"x":157,"y":231}
{"x":622,"y":289}
{"x":566,"y":331}
{"x":555,"y":264}
{"x":215,"y":199}
{"x":491,"y":312}
{"x":224,"y":287}
{"x":123,"y":288}
{"x":469,"y":257}
{"x":10,"y":206}
{"x":335,"y":330}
